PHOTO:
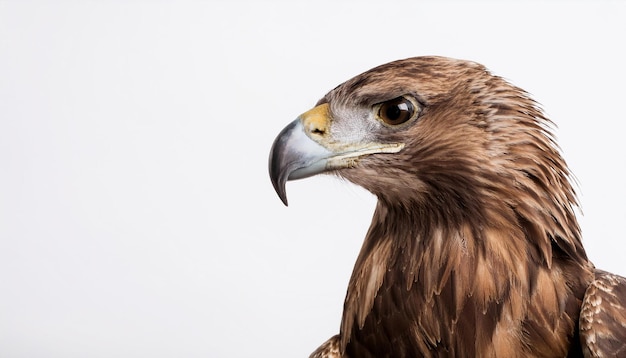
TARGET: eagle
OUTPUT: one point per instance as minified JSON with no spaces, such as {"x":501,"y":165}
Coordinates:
{"x":474,"y":249}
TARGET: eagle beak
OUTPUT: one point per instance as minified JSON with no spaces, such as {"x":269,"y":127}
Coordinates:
{"x":306,"y":147}
{"x":294,"y":155}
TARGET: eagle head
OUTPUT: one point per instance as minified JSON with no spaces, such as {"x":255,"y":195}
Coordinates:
{"x":441,"y":136}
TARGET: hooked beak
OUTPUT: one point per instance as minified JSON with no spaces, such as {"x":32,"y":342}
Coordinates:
{"x":304,"y":148}
{"x":295,"y":156}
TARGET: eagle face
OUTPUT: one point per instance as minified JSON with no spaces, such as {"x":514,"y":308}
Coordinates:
{"x":335,"y":136}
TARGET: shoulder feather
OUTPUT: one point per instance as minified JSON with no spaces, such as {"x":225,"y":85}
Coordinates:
{"x":603,"y":317}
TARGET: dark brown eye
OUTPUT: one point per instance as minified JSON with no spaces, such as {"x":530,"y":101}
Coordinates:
{"x":396,"y":111}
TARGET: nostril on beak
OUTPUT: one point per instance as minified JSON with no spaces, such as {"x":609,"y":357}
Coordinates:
{"x":318,"y":131}
{"x":316,"y":120}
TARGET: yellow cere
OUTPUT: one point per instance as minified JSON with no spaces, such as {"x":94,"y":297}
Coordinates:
{"x":316,"y":120}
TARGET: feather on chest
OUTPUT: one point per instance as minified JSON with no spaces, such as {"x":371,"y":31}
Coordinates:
{"x":463,"y":292}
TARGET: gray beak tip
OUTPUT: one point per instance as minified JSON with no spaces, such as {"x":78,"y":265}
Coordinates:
{"x":276,"y":165}
{"x":294,"y":156}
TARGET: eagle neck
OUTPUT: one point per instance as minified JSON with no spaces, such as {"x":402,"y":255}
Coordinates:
{"x":459,"y":273}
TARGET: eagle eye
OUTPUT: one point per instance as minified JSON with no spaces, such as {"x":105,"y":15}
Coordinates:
{"x":397,"y":111}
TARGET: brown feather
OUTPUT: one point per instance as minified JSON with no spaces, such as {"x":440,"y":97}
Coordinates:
{"x":603,"y":317}
{"x":330,"y":349}
{"x":474,"y":248}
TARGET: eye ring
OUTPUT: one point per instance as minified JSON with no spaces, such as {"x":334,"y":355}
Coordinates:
{"x":397,"y":111}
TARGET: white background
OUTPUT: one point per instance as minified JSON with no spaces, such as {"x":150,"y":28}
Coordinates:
{"x":136,"y":213}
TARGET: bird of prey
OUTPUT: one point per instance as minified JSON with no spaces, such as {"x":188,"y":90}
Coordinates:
{"x":474,"y":249}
